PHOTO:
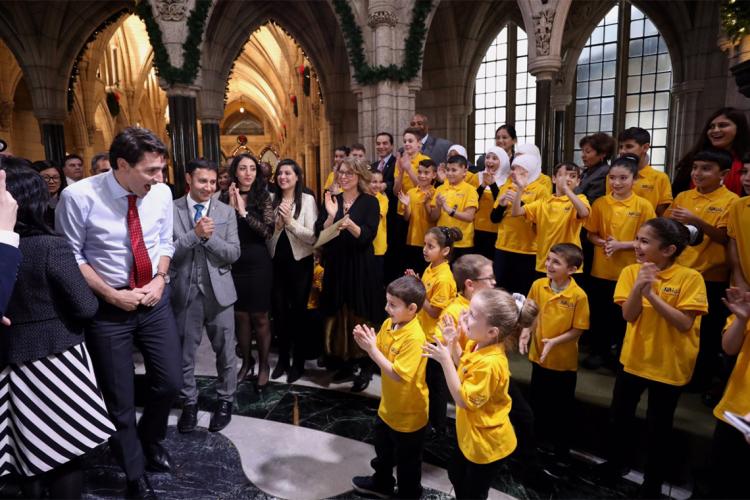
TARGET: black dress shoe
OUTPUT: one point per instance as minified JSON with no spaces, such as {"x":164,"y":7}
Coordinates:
{"x":188,"y":419}
{"x":282,"y":367}
{"x":221,"y":417}
{"x":140,"y":488}
{"x":295,"y":373}
{"x":157,"y":458}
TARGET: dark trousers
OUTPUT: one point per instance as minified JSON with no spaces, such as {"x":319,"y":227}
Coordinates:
{"x":470,"y":480}
{"x":395,"y":257}
{"x":484,"y":243}
{"x":522,"y":418}
{"x":708,"y":365}
{"x":553,"y":395}
{"x":662,"y":401}
{"x":458,"y":252}
{"x":439,"y":394}
{"x":607,"y":324}
{"x":402,"y":450}
{"x":291,"y":289}
{"x":730,"y":463}
{"x":514,"y":271}
{"x":110,"y":338}
{"x":413,"y":259}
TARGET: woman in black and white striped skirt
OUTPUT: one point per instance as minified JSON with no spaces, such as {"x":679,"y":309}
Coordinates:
{"x":51,"y":410}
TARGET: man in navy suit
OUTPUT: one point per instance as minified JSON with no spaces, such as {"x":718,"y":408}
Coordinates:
{"x":434,"y":147}
{"x":10,"y":256}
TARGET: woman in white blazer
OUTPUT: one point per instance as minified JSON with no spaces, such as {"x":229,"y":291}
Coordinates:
{"x":291,"y":248}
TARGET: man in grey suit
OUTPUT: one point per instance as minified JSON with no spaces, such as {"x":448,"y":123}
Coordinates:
{"x":206,"y":245}
{"x":434,"y":147}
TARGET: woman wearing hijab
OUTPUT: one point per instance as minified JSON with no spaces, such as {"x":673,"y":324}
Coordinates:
{"x":491,"y":179}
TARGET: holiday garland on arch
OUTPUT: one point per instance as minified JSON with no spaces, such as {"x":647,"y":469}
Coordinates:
{"x":191,"y":50}
{"x":735,"y":18}
{"x":366,"y":74}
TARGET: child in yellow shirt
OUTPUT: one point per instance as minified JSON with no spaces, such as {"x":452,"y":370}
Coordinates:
{"x":441,"y":290}
{"x":331,"y":184}
{"x":650,"y":183}
{"x":491,"y":179}
{"x":402,"y":414}
{"x":662,"y":302}
{"x":380,"y":243}
{"x":478,"y":379}
{"x":416,"y":204}
{"x":563,"y":317}
{"x":730,"y":454}
{"x":707,"y":207}
{"x":560,"y":217}
{"x":407,"y":163}
{"x":611,"y":227}
{"x":455,"y":203}
{"x":738,"y":230}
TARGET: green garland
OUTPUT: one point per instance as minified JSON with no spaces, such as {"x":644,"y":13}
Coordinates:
{"x":366,"y":74}
{"x":735,"y":18}
{"x":191,"y":53}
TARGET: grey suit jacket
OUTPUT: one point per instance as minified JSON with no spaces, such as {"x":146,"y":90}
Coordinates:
{"x":436,"y":148}
{"x":220,"y":250}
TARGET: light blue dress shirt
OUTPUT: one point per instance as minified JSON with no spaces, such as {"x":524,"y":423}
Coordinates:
{"x":92,"y":215}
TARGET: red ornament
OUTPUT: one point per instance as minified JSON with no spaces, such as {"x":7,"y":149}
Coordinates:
{"x":301,"y":70}
{"x":293,"y":98}
{"x":242,"y":140}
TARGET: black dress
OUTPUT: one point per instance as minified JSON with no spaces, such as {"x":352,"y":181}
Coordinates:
{"x":349,"y":263}
{"x":253,"y":271}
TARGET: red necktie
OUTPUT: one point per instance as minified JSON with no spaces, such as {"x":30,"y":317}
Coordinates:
{"x":140,"y":273}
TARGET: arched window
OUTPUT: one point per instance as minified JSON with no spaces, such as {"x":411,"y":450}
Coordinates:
{"x":625,"y":82}
{"x":504,"y":92}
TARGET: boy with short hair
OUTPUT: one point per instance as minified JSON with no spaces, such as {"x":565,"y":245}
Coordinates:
{"x":707,"y":207}
{"x":455,"y":203}
{"x":358,"y":151}
{"x":417,"y":212}
{"x":403,"y":411}
{"x":558,"y":218}
{"x":563,"y":317}
{"x":650,"y":184}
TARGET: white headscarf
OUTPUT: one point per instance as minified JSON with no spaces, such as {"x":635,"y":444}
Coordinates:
{"x":503,"y":170}
{"x":460,"y":150}
{"x":531,"y":163}
{"x":526,"y":149}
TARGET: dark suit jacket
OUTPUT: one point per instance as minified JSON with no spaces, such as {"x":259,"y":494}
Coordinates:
{"x":388,"y":173}
{"x":436,"y":148}
{"x":50,"y":303}
{"x":10,"y":258}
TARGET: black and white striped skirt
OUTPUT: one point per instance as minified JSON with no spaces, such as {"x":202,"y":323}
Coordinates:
{"x":51,"y":411}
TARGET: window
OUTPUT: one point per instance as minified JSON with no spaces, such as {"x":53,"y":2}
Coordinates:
{"x":642,"y":60}
{"x":504,"y":92}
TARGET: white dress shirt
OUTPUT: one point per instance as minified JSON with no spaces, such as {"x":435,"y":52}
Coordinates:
{"x":9,"y":238}
{"x":92,"y":214}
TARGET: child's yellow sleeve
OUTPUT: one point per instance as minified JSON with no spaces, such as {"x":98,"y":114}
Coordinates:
{"x":478,"y":386}
{"x":625,"y":283}
{"x":406,"y":363}
{"x":693,"y":294}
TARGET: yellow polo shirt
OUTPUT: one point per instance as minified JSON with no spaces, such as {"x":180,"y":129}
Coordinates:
{"x":483,"y":428}
{"x":457,"y":306}
{"x":653,"y":349}
{"x":737,"y":393}
{"x":329,"y":180}
{"x":482,"y":220}
{"x":556,"y":222}
{"x":652,"y":185}
{"x":709,"y":258}
{"x":461,"y":196}
{"x":380,"y":243}
{"x":558,"y":313}
{"x":621,"y":220}
{"x":419,"y":219}
{"x":441,"y":289}
{"x":738,"y":228}
{"x":517,"y":234}
{"x":403,"y":405}
{"x":407,"y":183}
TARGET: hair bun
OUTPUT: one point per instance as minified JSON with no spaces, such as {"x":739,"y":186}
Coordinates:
{"x":696,"y":235}
{"x":455,"y":234}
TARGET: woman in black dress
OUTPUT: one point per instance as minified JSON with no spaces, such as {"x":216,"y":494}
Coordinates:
{"x":350,"y":295}
{"x":252,"y":273}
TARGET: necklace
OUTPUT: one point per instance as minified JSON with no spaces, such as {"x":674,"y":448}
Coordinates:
{"x":348,"y":204}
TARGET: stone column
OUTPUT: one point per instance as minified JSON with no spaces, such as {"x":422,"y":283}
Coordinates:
{"x":559,"y":103}
{"x":211,"y":140}
{"x":685,"y":124}
{"x":53,"y":138}
{"x":544,"y":68}
{"x":184,"y":131}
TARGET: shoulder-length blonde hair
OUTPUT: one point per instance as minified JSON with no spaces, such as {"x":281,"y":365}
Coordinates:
{"x":362,"y":170}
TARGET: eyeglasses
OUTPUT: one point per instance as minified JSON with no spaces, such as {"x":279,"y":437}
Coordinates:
{"x":491,"y":278}
{"x":346,"y":173}
{"x":48,"y":178}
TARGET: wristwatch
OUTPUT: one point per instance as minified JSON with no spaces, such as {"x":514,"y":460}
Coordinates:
{"x":164,"y":276}
{"x":453,"y":212}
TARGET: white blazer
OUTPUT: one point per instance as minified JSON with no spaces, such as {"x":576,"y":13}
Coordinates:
{"x":301,"y":231}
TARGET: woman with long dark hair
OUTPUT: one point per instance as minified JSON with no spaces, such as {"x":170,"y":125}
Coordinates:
{"x":291,"y":248}
{"x":726,"y":129}
{"x":252,"y":273}
{"x":54,"y":176}
{"x":53,"y":403}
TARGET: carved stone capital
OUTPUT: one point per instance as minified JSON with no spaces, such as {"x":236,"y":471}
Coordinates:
{"x":381,"y":18}
{"x":543,"y":22}
{"x":172,"y":10}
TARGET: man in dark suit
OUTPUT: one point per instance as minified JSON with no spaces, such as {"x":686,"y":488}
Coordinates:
{"x":206,"y":244}
{"x":396,"y":226}
{"x":10,"y":256}
{"x":434,"y":147}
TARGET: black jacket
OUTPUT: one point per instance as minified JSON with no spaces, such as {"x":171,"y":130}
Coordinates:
{"x":10,"y":258}
{"x":50,"y":303}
